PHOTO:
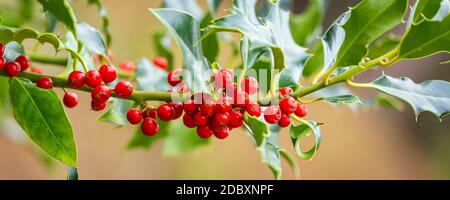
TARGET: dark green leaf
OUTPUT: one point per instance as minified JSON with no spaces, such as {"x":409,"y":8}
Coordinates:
{"x":368,"y":21}
{"x":41,"y":115}
{"x":306,"y":26}
{"x":92,"y":40}
{"x":105,"y":20}
{"x":150,"y":78}
{"x":299,"y":133}
{"x":62,"y":11}
{"x":185,"y":29}
{"x":432,"y":96}
{"x":383,"y":46}
{"x":162,"y":46}
{"x":425,"y":39}
{"x":181,"y":140}
{"x":428,"y":10}
{"x":117,"y":113}
{"x":210,"y":44}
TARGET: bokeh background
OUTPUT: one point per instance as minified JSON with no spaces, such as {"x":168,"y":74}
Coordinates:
{"x":372,"y":143}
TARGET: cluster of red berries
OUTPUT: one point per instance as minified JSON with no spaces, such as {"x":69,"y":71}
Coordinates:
{"x":16,"y":67}
{"x":288,"y":105}
{"x":97,"y":80}
{"x":216,"y":115}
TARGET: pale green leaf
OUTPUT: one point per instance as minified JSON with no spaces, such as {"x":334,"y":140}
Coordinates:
{"x":62,"y":11}
{"x":299,"y":133}
{"x":432,"y":96}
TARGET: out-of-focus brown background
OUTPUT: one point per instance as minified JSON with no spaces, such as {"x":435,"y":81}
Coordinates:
{"x":367,"y":144}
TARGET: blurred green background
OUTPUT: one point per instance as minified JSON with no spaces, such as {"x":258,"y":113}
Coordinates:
{"x":365,"y":144}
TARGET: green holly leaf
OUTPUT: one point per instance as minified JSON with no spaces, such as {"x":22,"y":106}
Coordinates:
{"x":384,"y":46}
{"x":307,"y":25}
{"x":428,"y":10}
{"x":181,"y":140}
{"x":270,"y":31}
{"x":266,"y":140}
{"x":162,"y":47}
{"x":117,"y":112}
{"x":426,"y":39}
{"x":345,"y":43}
{"x":299,"y":133}
{"x":8,"y":34}
{"x":72,"y":43}
{"x":432,"y":96}
{"x":150,"y":78}
{"x":92,"y":40}
{"x":41,"y":115}
{"x":62,"y":11}
{"x":185,"y":29}
{"x":105,"y":20}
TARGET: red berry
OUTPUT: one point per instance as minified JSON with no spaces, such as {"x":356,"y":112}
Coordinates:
{"x":108,"y":73}
{"x":70,"y":99}
{"x":250,"y":85}
{"x":288,"y":105}
{"x":151,"y":112}
{"x":174,"y":77}
{"x":95,"y":106}
{"x":161,"y":62}
{"x":12,"y":69}
{"x":101,"y":94}
{"x":37,"y":71}
{"x":128,"y":66}
{"x":236,"y":119}
{"x":2,"y":62}
{"x":190,"y":107}
{"x":241,"y":99}
{"x":166,"y":112}
{"x":2,"y":49}
{"x":217,"y":126}
{"x":93,"y":78}
{"x":302,"y":110}
{"x":253,"y":110}
{"x":284,"y":121}
{"x":45,"y":83}
{"x":208,"y":108}
{"x":200,"y":120}
{"x":204,"y":132}
{"x":177,"y":108}
{"x":77,"y":79}
{"x":224,"y":104}
{"x":149,"y":127}
{"x":134,"y":116}
{"x":24,"y":62}
{"x":188,"y":121}
{"x":223,"y":79}
{"x":222,"y":118}
{"x":123,"y":89}
{"x":272,"y":115}
{"x":222,"y":134}
{"x":286,"y":91}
